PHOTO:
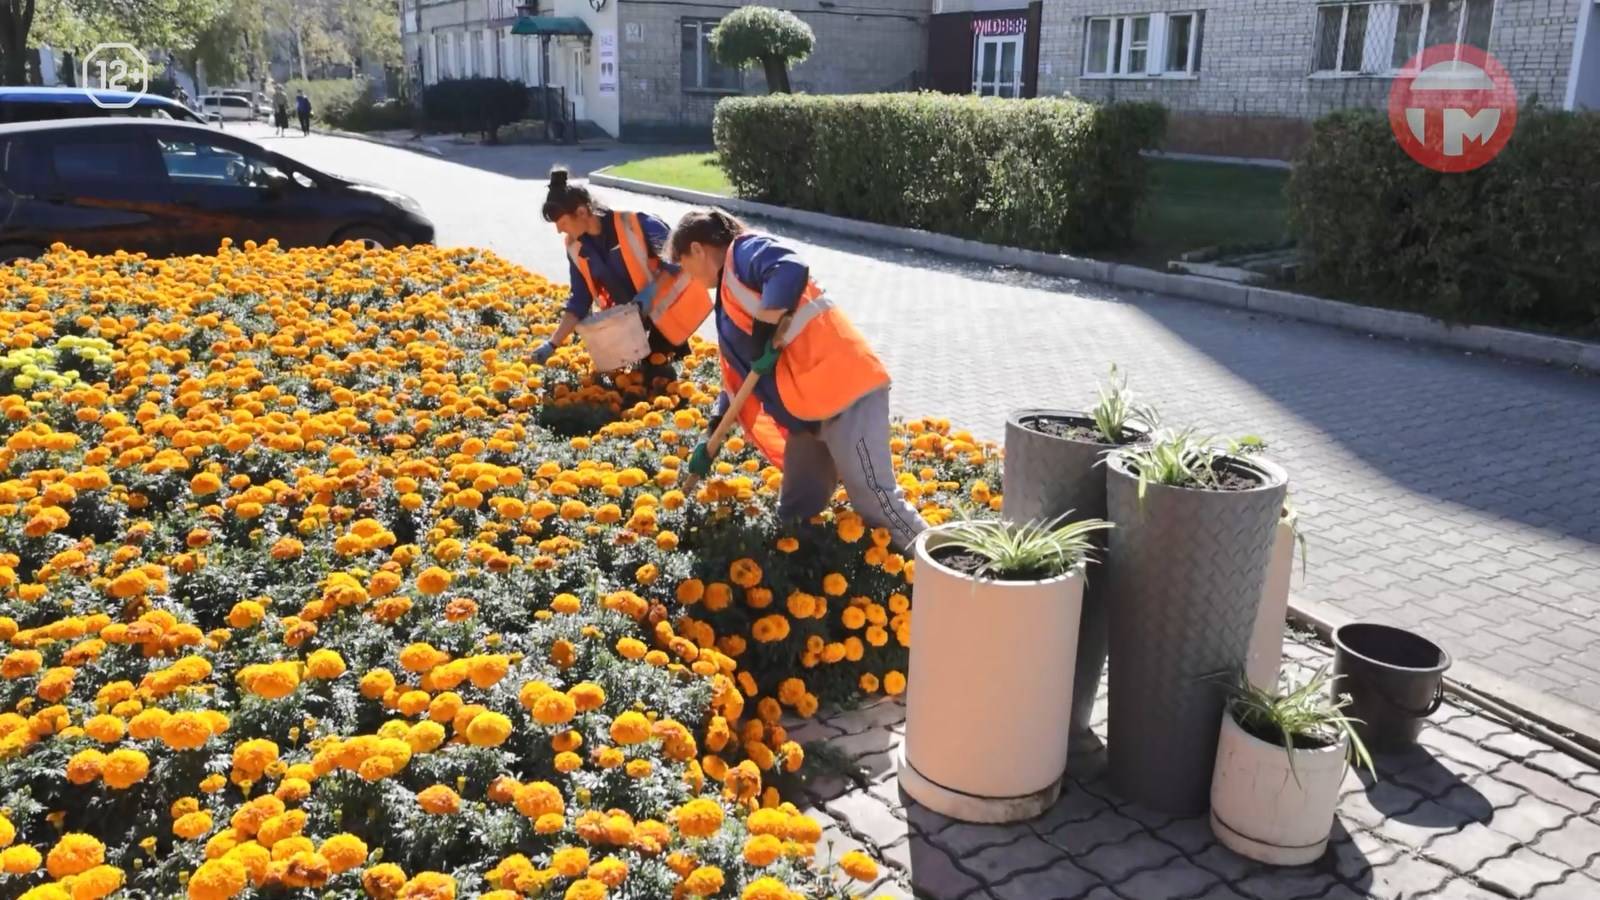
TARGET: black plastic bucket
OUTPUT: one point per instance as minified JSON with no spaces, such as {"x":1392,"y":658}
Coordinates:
{"x":1395,"y":679}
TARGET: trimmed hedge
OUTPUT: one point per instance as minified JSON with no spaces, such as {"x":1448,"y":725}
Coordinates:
{"x":475,"y":104}
{"x":1046,"y":174}
{"x":1516,"y":242}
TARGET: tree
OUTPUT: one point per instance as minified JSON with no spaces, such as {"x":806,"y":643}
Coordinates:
{"x":77,"y":25}
{"x":759,"y":34}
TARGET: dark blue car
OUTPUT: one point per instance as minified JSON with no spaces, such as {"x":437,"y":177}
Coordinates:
{"x":41,"y":104}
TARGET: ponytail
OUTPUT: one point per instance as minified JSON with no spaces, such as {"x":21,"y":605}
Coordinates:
{"x":563,"y":198}
{"x":711,"y":227}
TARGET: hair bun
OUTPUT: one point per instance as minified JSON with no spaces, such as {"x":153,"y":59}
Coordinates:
{"x":558,"y":178}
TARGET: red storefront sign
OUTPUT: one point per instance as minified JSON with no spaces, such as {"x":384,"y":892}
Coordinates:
{"x":997,"y":26}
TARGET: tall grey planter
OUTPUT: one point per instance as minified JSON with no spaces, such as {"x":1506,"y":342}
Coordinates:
{"x":1183,"y":597}
{"x":1046,"y":476}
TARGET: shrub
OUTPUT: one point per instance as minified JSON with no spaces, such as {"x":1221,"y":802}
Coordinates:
{"x":370,"y":114}
{"x":1045,"y":174}
{"x":329,"y":96}
{"x":1514,"y":242}
{"x":474,"y":104}
{"x":775,"y":38}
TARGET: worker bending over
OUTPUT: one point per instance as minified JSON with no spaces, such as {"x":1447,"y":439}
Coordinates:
{"x":615,"y":257}
{"x":821,"y":408}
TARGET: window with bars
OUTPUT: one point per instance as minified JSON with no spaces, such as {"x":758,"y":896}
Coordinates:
{"x":1144,"y":45}
{"x":1383,"y":37}
{"x":701,"y":71}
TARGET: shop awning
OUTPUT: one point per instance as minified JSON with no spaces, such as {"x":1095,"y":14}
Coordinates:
{"x":546,"y":25}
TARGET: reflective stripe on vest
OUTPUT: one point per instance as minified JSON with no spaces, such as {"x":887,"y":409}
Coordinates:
{"x":826,"y":365}
{"x":676,"y":306}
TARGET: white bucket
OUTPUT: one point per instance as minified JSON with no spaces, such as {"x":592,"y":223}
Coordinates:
{"x":615,"y":338}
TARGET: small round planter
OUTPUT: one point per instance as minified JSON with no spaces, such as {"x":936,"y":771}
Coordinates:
{"x":1183,"y":596}
{"x":1263,"y":809}
{"x":1046,"y":476}
{"x":986,"y":728}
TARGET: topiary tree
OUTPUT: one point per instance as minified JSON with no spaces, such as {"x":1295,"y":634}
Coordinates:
{"x":772,"y":37}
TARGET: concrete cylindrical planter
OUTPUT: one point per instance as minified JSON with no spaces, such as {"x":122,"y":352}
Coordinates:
{"x":991,"y":666}
{"x":1266,"y":644}
{"x":1263,"y":809}
{"x":1048,"y":475}
{"x":1183,"y":594}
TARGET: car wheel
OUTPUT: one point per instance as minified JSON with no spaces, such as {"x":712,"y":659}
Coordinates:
{"x":371,"y":238}
{"x":10,"y":253}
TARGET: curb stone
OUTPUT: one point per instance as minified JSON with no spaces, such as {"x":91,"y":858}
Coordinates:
{"x":414,"y":146}
{"x":1518,"y":345}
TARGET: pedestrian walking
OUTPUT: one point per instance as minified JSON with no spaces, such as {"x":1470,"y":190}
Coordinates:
{"x":820,"y":409}
{"x":280,"y":109}
{"x":615,"y":257}
{"x":302,"y":109}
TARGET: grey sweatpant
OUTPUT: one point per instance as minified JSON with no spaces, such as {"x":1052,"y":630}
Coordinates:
{"x":853,"y":446}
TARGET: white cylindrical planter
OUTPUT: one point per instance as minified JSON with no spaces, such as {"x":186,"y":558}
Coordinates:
{"x":1258,"y":807}
{"x":989,"y":710}
{"x":1266,"y":643}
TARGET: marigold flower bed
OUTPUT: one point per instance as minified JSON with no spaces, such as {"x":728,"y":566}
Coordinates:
{"x":313,"y":583}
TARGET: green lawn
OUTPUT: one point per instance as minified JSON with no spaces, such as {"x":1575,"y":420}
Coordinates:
{"x":1192,"y":204}
{"x":694,"y":171}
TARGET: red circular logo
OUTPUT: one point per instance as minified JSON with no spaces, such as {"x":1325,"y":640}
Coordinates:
{"x":1454,"y":109}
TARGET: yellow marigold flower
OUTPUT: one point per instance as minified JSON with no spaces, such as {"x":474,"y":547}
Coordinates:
{"x":433,"y":580}
{"x":571,"y":862}
{"x":218,"y":879}
{"x":75,"y":852}
{"x":429,"y":886}
{"x":124,"y":768}
{"x":745,"y":573}
{"x":105,"y":729}
{"x":610,"y":872}
{"x":834,"y":584}
{"x":554,"y":708}
{"x":549,"y":823}
{"x":804,"y":830}
{"x":488,"y":729}
{"x":630,"y":728}
{"x":699,"y":818}
{"x":213,"y":783}
{"x":439,"y":800}
{"x":762,"y":850}
{"x":376,"y":683}
{"x":765,"y":888}
{"x":587,"y":696}
{"x":325,"y":664}
{"x":85,"y":766}
{"x":859,"y":866}
{"x":8,"y":831}
{"x":383,"y":881}
{"x":704,"y":881}
{"x":343,"y":852}
{"x":639,"y":768}
{"x":19,"y":860}
{"x":192,"y":826}
{"x":566,"y":604}
{"x":538,"y":798}
{"x":894,"y":683}
{"x":585,"y":889}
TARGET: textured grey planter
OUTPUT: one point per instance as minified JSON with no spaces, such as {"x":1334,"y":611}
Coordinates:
{"x":1046,"y":476}
{"x":1183,"y":595}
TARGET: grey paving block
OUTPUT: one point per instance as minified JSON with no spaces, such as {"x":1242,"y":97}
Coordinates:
{"x":1548,"y":788}
{"x":1518,"y":874}
{"x":1530,"y":818}
{"x":1299,"y":883}
{"x":1409,"y":876}
{"x":1469,"y":848}
{"x":1189,"y":835}
{"x":1226,"y":864}
{"x":1081,"y":837}
{"x":1075,"y":805}
{"x":879,"y":714}
{"x":1117,"y":862}
{"x":1576,"y":843}
{"x":998,"y":863}
{"x":1358,"y":855}
{"x":1576,"y":886}
{"x":934,"y":874}
{"x":963,"y":839}
{"x":1173,"y":879}
{"x":1060,"y":881}
{"x":866,"y":815}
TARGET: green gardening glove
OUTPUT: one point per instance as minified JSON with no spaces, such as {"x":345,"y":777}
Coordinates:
{"x":700,"y":461}
{"x":767,"y":361}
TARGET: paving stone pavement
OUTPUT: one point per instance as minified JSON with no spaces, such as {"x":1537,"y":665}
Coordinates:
{"x":1476,"y":812}
{"x":1419,"y":507}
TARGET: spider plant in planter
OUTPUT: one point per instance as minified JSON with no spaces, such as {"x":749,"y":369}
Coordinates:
{"x":1050,"y":459}
{"x":1281,"y":759}
{"x":1194,"y":536}
{"x":993,"y":639}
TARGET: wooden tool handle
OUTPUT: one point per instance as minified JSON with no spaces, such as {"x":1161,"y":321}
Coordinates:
{"x":736,"y":405}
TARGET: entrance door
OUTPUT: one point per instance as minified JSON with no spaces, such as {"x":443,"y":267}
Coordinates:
{"x":997,"y":66}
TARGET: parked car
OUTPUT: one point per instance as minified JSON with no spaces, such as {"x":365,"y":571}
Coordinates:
{"x":36,"y":104}
{"x":167,"y":188}
{"x":258,"y":106}
{"x":227,"y":106}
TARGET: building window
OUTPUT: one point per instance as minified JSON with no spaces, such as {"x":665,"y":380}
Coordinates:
{"x":701,"y":71}
{"x":1381,"y":38}
{"x":1138,"y":46}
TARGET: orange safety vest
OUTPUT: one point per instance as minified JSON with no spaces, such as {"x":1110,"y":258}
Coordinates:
{"x":826,"y":364}
{"x":678,"y":306}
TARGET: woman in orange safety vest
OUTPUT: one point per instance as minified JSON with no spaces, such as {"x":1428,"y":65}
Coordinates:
{"x":821,"y":407}
{"x":613,"y":258}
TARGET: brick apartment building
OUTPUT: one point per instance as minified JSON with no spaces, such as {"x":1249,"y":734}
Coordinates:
{"x":1241,"y":77}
